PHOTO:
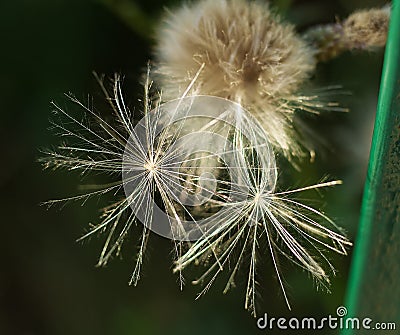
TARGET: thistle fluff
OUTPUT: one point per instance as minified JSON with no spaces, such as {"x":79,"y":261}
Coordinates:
{"x":249,"y":56}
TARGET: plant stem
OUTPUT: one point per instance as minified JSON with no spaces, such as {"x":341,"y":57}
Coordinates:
{"x":373,"y":290}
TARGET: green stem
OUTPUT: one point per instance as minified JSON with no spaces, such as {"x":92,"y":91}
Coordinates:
{"x":373,"y":290}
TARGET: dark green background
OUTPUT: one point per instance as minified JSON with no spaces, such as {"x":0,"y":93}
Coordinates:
{"x":48,"y":283}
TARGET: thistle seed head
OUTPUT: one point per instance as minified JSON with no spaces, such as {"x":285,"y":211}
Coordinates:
{"x":249,"y":56}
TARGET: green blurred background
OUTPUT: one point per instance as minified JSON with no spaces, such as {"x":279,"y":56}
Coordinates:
{"x":48,"y":282}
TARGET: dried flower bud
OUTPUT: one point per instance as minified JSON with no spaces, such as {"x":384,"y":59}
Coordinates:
{"x":367,"y":28}
{"x":364,"y":29}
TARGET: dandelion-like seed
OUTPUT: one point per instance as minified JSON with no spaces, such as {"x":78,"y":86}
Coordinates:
{"x":265,"y":221}
{"x":138,"y":155}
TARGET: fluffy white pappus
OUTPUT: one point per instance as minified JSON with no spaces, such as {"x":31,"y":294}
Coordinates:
{"x":92,"y":144}
{"x":265,"y":221}
{"x":249,"y":56}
